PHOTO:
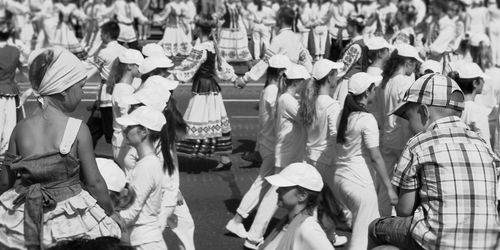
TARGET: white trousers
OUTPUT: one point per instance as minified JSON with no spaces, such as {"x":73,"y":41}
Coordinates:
{"x":261,"y":36}
{"x":362,"y":202}
{"x":8,"y":118}
{"x":495,"y":42}
{"x":267,"y":208}
{"x":260,"y":186}
{"x":320,"y":34}
{"x":180,"y":221}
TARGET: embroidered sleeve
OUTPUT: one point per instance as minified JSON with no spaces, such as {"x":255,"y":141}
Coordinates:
{"x":226,"y":71}
{"x":188,"y":68}
{"x":305,"y":59}
{"x":351,"y":56}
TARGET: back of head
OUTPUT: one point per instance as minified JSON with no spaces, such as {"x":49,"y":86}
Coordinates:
{"x":39,"y":66}
{"x":286,"y":15}
{"x":112,"y":29}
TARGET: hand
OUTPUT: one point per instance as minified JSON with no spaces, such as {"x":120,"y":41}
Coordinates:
{"x":239,"y":83}
{"x":180,"y":199}
{"x":393,"y":196}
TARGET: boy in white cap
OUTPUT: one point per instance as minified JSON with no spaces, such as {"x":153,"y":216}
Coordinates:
{"x":266,"y":142}
{"x":290,"y":147}
{"x":298,"y":187}
{"x":446,"y":178}
{"x":142,"y":217}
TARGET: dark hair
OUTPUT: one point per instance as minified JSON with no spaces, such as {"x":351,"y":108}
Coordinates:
{"x":272,"y":74}
{"x":466,"y":85}
{"x":409,"y":11}
{"x":112,"y":29}
{"x":373,"y":54}
{"x":169,"y":133}
{"x":259,"y":4}
{"x":308,"y":97}
{"x":123,"y":199}
{"x":101,"y":243}
{"x":391,"y":66}
{"x":313,"y":199}
{"x":206,"y":24}
{"x":287,"y":14}
{"x":154,"y":72}
{"x":117,"y":70}
{"x":441,"y":4}
{"x":39,"y":67}
{"x":351,"y":104}
{"x":5,"y":31}
{"x":358,"y":22}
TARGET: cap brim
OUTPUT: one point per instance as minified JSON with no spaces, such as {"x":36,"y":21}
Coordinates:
{"x":131,"y":100}
{"x":400,"y":110}
{"x":278,"y":181}
{"x":376,"y":79}
{"x":126,"y":121}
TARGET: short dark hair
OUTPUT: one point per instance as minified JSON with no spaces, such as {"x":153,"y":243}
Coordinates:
{"x":112,"y":29}
{"x":287,"y":14}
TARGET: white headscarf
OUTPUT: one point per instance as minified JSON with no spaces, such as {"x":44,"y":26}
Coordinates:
{"x":65,"y":71}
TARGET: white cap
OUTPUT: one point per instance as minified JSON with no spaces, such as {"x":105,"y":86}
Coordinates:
{"x":298,"y":174}
{"x":433,"y":65}
{"x":377,"y":42}
{"x":468,"y":70}
{"x":296,"y":71}
{"x":145,"y":116}
{"x":153,"y":49}
{"x":154,"y":62}
{"x":279,"y":61}
{"x":360,"y":82}
{"x":154,"y":92}
{"x":409,"y":51}
{"x":322,"y":67}
{"x":131,"y":56}
{"x":112,"y":174}
{"x":477,"y":38}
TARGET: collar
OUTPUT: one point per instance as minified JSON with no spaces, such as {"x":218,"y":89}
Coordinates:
{"x":285,"y":29}
{"x":357,"y":38}
{"x":113,"y":43}
{"x":446,"y":122}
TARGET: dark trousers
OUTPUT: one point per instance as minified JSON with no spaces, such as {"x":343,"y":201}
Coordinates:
{"x":336,"y":50}
{"x":102,"y":125}
{"x":393,"y":231}
{"x":132,"y":45}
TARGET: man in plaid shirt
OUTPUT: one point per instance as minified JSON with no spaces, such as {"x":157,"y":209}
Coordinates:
{"x":446,"y":177}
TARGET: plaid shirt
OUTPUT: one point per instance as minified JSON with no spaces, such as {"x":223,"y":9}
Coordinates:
{"x":453,"y":171}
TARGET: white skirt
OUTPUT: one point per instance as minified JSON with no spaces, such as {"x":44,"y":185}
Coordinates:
{"x":127,"y":33}
{"x":175,"y":41}
{"x":65,"y":37}
{"x":233,"y":45}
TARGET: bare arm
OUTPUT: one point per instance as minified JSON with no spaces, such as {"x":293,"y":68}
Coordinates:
{"x":382,"y":173}
{"x":90,"y":174}
{"x":406,"y":203}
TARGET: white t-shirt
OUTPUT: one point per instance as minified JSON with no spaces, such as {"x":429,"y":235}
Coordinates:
{"x":353,"y":158}
{"x":142,"y":216}
{"x":290,"y":142}
{"x":267,"y":117}
{"x":308,"y":236}
{"x":377,"y":106}
{"x":476,"y":117}
{"x":322,"y":134}
{"x":120,"y":108}
{"x":396,"y":131}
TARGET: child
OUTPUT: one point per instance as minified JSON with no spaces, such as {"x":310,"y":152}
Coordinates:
{"x":357,"y":151}
{"x":143,"y":127}
{"x":298,"y":187}
{"x":120,"y":80}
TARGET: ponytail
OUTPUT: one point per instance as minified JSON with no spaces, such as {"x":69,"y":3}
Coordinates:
{"x":117,"y":70}
{"x":351,"y":104}
{"x":307,"y":105}
{"x":392,"y":65}
{"x":169,"y":134}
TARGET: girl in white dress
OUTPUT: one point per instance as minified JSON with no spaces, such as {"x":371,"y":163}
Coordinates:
{"x":176,"y":39}
{"x":65,"y":34}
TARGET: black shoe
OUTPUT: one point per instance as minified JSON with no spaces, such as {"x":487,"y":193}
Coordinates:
{"x":222,"y":167}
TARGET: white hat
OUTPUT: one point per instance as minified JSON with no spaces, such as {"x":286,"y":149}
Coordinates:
{"x":477,"y":38}
{"x":279,"y":61}
{"x":154,"y":92}
{"x":377,"y":42}
{"x":409,"y":51}
{"x":435,"y":66}
{"x":154,"y":62}
{"x":112,"y":174}
{"x":145,"y":116}
{"x":153,"y":49}
{"x":296,"y":71}
{"x":298,"y":174}
{"x":131,"y":56}
{"x":360,"y":82}
{"x":322,"y":67}
{"x":468,"y":70}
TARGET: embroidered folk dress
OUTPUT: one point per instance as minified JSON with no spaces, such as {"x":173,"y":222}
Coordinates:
{"x":64,"y":35}
{"x":175,"y":38}
{"x":233,"y":42}
{"x":47,"y":204}
{"x":209,"y":130}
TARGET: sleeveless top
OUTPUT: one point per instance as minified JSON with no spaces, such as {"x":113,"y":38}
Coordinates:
{"x":204,"y":80}
{"x":361,"y":65}
{"x":43,"y":180}
{"x":231,"y":17}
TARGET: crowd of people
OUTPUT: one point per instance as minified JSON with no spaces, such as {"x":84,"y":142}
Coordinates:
{"x":380,"y":117}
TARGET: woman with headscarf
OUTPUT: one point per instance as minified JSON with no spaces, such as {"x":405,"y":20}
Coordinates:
{"x":50,"y":155}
